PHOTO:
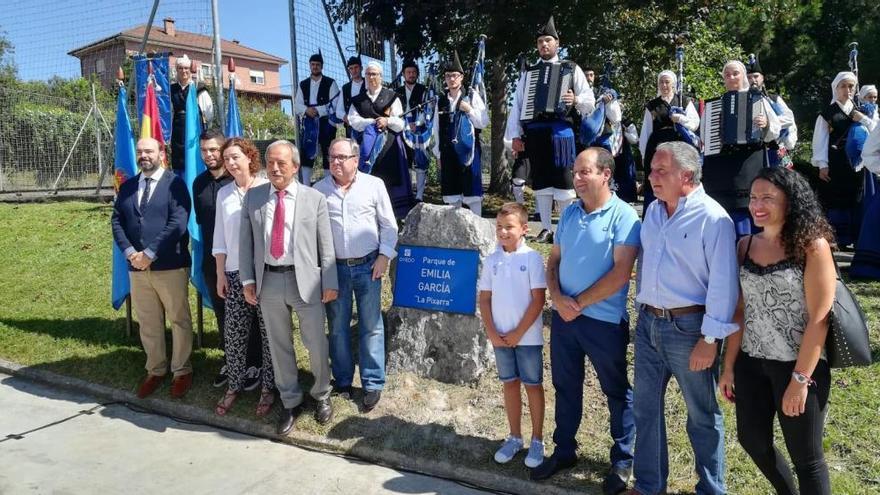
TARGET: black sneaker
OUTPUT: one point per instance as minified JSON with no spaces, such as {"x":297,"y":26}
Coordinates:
{"x":545,"y":236}
{"x":371,"y":398}
{"x":221,"y":379}
{"x":251,"y":378}
{"x":344,"y":392}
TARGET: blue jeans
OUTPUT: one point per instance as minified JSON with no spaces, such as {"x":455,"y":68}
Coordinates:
{"x":605,"y":345}
{"x":356,"y":284}
{"x":523,"y":362}
{"x":663,"y":348}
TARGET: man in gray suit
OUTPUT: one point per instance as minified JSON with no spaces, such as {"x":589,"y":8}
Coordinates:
{"x":288,"y":263}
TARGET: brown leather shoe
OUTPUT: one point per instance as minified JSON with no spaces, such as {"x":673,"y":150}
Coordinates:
{"x":149,"y":385}
{"x":180,"y":385}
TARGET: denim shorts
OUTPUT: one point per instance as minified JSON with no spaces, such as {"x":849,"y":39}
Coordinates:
{"x":523,"y":362}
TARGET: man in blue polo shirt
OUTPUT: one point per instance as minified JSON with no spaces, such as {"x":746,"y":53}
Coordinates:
{"x":588,"y":275}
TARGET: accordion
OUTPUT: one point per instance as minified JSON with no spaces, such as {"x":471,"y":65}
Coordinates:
{"x":545,"y":83}
{"x":728,"y":121}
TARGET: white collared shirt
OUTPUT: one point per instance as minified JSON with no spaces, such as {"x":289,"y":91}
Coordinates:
{"x":314,"y":85}
{"x":361,"y":218}
{"x":227,"y":222}
{"x":142,"y":184}
{"x":510,"y":277}
{"x":269,"y":219}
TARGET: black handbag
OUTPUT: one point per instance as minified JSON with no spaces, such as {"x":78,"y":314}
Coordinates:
{"x":847,"y":342}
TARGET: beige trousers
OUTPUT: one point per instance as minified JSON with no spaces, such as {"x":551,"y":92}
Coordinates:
{"x":155,"y":294}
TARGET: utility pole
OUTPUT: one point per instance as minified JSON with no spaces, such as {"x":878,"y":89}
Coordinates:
{"x":218,"y":67}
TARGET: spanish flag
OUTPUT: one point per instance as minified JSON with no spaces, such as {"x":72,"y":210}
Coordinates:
{"x":151,"y":123}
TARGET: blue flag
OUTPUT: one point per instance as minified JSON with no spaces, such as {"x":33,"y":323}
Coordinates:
{"x":193,"y":167}
{"x":125,"y":168}
{"x":233,"y":119}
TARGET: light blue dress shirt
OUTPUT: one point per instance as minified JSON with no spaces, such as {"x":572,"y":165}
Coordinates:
{"x":690,"y":259}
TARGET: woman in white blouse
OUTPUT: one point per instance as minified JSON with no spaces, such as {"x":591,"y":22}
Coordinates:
{"x":242,"y":161}
{"x":658,"y":124}
{"x":841,"y":186}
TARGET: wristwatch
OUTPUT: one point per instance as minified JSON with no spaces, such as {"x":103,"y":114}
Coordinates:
{"x":801,"y":378}
{"x":709,"y":340}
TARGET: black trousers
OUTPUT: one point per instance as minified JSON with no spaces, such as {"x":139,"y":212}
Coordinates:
{"x":760,"y":385}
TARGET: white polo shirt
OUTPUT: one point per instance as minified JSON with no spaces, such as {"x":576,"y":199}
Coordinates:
{"x":511,"y":277}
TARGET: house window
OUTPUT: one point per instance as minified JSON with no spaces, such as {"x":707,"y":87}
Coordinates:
{"x":258,"y":77}
{"x":206,"y":73}
{"x":99,"y":66}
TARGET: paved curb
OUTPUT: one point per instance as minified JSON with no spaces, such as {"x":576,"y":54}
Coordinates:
{"x":487,"y":480}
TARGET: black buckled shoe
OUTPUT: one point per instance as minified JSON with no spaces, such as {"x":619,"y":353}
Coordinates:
{"x":545,"y":237}
{"x":323,"y":411}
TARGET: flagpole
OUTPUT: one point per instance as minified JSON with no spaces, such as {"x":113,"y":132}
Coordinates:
{"x":218,"y":68}
{"x":293,"y":69}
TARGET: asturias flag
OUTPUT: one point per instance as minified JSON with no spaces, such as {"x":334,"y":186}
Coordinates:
{"x":233,"y":119}
{"x":192,"y":168}
{"x":126,"y":168}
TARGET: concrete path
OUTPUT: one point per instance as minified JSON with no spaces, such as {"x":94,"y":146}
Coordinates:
{"x":55,"y":441}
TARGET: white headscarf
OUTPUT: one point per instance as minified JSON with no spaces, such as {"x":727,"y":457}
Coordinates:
{"x":842,"y":76}
{"x":744,"y":82}
{"x":671,"y":75}
{"x":865,"y":90}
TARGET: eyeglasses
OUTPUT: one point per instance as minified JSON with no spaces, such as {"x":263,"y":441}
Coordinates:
{"x":340,"y":158}
{"x":373,"y":74}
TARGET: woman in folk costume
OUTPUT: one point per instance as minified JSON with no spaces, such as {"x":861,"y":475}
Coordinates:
{"x":659,"y":123}
{"x":866,"y":260}
{"x":625,"y":164}
{"x":458,"y":183}
{"x":841,"y":186}
{"x":377,"y":114}
{"x":728,"y":175}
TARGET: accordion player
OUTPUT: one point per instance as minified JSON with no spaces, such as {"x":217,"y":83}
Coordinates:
{"x":736,"y":130}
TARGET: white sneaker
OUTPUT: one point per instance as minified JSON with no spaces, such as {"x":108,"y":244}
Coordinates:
{"x":508,"y":449}
{"x":536,"y":454}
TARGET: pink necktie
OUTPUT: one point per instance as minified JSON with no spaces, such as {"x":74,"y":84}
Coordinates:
{"x":276,"y":249}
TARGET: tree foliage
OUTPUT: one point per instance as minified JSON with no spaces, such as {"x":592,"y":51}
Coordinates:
{"x":801,"y":44}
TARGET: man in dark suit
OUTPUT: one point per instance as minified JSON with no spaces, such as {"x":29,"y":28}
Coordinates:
{"x":287,"y":262}
{"x":149,"y":226}
{"x":411,"y":95}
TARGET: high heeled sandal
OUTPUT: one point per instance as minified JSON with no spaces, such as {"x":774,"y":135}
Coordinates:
{"x":225,"y":403}
{"x":267,"y":398}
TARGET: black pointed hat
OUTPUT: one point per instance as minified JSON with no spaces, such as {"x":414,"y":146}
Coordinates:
{"x":354,"y":61}
{"x":317,"y":57}
{"x":753,"y":65}
{"x":453,"y":65}
{"x":407,"y":63}
{"x":548,"y":29}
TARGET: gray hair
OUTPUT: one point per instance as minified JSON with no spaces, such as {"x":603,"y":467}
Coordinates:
{"x":685,"y":157}
{"x":355,"y":148}
{"x":375,"y":65}
{"x":294,"y":152}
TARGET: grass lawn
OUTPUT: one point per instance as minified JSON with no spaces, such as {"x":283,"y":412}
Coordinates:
{"x":56,"y":314}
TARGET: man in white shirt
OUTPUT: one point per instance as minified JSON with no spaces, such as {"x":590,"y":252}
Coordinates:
{"x":315,"y":101}
{"x":364,"y":235}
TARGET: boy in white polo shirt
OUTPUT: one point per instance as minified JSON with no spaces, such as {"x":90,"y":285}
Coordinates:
{"x":512,"y":294}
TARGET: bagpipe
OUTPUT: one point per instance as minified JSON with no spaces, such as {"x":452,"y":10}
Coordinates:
{"x":858,"y":132}
{"x":419,"y":122}
{"x":593,"y":130}
{"x":464,"y":134}
{"x":686,"y":134}
{"x":310,"y":127}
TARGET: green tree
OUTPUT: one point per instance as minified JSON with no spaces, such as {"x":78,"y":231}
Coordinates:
{"x":7,"y":67}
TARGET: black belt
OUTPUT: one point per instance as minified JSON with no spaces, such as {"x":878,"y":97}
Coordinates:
{"x":357,"y":261}
{"x":673,"y":312}
{"x":279,"y":268}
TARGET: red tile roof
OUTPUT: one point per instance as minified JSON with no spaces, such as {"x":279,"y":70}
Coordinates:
{"x":182,"y":41}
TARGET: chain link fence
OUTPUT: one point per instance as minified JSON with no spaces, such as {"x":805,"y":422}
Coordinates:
{"x":50,"y":143}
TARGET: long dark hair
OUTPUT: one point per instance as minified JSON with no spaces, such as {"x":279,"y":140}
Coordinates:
{"x":804,"y":219}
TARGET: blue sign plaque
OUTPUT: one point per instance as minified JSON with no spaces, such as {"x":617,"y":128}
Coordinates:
{"x":438,"y":279}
